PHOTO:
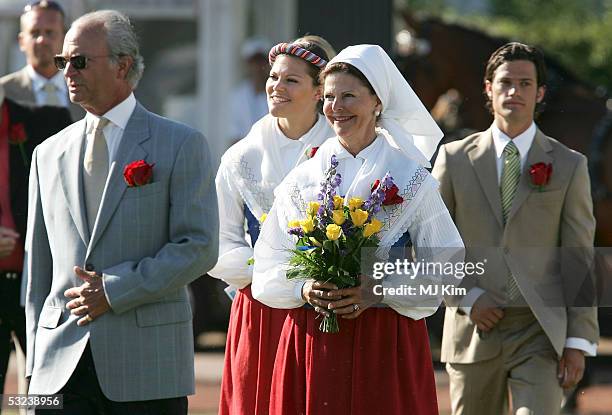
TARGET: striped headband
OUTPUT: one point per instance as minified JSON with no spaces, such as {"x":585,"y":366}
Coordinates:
{"x":295,"y":50}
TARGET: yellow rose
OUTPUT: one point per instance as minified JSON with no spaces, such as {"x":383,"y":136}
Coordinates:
{"x":371,"y":228}
{"x":338,"y":217}
{"x":313,"y":207}
{"x":263,"y":217}
{"x":333,"y":232}
{"x":293,"y":224}
{"x":355,"y":203}
{"x":307,"y":225}
{"x":359,"y":217}
{"x":338,"y":202}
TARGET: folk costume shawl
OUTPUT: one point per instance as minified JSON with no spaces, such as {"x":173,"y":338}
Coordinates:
{"x":252,"y":168}
{"x":404,"y":120}
{"x":422,"y":212}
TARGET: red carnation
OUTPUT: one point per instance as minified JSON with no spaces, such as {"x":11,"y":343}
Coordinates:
{"x":311,"y":153}
{"x":391,"y":196}
{"x":540,"y":174}
{"x":17,"y":134}
{"x":138,"y":173}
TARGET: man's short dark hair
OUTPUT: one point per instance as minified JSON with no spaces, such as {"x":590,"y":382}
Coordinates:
{"x":515,"y":51}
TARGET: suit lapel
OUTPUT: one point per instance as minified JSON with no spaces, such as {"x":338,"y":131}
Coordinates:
{"x":71,"y":179}
{"x":482,"y":156}
{"x":136,"y":132}
{"x":26,"y":84}
{"x":539,"y":152}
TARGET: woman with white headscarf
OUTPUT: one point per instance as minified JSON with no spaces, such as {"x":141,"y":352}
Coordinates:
{"x":247,"y":176}
{"x":380,"y":361}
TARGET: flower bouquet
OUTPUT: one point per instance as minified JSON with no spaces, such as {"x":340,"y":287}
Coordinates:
{"x":331,"y":237}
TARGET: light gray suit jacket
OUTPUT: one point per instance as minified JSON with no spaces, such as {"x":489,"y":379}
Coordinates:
{"x":148,"y":242}
{"x":18,"y":87}
{"x":528,"y":246}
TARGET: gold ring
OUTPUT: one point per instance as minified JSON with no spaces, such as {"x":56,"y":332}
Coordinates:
{"x":89,"y":318}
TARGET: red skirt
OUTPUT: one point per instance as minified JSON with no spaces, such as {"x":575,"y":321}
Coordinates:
{"x":252,"y":339}
{"x":379,"y":363}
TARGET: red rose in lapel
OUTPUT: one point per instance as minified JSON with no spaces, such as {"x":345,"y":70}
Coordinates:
{"x":17,"y":134}
{"x":138,"y":173}
{"x":540,"y":174}
{"x":311,"y":153}
{"x":391,"y":196}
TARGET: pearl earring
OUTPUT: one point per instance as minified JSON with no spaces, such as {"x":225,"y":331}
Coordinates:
{"x":377,"y":113}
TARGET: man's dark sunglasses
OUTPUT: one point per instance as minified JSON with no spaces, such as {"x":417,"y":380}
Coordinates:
{"x":44,"y":4}
{"x":77,"y":61}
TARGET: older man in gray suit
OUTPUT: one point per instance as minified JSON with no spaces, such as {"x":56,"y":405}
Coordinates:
{"x":111,"y":247}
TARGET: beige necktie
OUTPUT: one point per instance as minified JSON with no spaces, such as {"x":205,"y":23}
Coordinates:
{"x":511,"y":174}
{"x":95,"y":171}
{"x":51,"y":92}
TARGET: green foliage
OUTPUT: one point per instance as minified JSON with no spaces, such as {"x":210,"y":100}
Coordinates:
{"x":577,"y":33}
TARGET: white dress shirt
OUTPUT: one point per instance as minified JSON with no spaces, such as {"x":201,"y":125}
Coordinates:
{"x":118,"y":116}
{"x":39,"y":82}
{"x":523,"y":142}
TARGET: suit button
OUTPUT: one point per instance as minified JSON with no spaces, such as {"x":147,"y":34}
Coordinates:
{"x":89,"y":267}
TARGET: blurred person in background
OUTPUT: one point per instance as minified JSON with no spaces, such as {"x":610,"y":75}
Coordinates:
{"x":21,"y":129}
{"x":42,"y":30}
{"x":248,"y":102}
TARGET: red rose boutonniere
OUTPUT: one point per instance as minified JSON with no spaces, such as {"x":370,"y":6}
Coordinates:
{"x":17,"y":137}
{"x":391,"y":196}
{"x":311,"y":153}
{"x":540,"y":174}
{"x":138,"y":173}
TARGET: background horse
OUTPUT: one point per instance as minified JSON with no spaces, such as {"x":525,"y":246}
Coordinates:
{"x":442,"y":57}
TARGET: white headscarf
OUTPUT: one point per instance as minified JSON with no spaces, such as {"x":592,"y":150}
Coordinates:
{"x":405,"y":121}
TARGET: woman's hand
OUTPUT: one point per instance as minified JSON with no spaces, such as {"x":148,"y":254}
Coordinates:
{"x":356,"y":299}
{"x":319,"y":295}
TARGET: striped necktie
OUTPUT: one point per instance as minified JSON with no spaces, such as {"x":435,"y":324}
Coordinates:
{"x":510,"y":177}
{"x":511,"y":174}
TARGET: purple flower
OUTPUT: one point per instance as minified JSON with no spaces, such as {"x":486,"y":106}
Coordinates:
{"x":297,"y":231}
{"x":387,"y":181}
{"x":336,"y":181}
{"x":334,"y":161}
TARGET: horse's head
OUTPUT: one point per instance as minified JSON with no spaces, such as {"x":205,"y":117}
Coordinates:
{"x":420,"y":64}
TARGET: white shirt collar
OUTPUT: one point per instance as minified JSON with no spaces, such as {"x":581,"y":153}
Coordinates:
{"x":283,"y":141}
{"x":39,"y":81}
{"x":522,"y":141}
{"x":343,"y":153}
{"x":119,"y":115}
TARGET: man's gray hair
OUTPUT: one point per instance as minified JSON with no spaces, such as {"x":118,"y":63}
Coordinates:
{"x":120,"y":37}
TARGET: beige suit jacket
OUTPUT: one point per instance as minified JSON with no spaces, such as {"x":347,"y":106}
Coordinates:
{"x":18,"y":87}
{"x":561,"y":215}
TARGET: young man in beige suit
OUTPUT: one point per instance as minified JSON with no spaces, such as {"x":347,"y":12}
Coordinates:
{"x":515,"y":329}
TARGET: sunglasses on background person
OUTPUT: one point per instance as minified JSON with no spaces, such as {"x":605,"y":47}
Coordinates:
{"x":44,"y":4}
{"x":78,"y":62}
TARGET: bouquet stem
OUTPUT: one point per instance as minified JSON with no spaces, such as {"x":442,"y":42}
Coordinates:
{"x":329,"y":324}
